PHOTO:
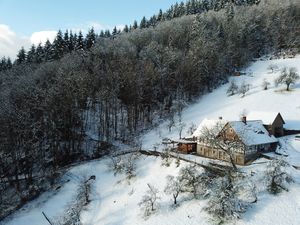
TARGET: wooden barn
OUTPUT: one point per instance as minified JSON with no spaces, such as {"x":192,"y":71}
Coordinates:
{"x":272,"y":121}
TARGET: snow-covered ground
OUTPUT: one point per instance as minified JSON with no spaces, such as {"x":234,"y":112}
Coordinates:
{"x":217,"y":104}
{"x":114,"y":200}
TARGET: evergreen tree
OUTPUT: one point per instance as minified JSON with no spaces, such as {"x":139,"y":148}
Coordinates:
{"x":80,"y":41}
{"x":143,"y":23}
{"x":8,"y":63}
{"x":66,"y":42}
{"x":90,"y":38}
{"x":135,"y":25}
{"x":102,"y":35}
{"x":107,"y":34}
{"x":48,"y":51}
{"x":114,"y":31}
{"x":181,"y":9}
{"x":31,"y":54}
{"x":175,"y":11}
{"x":21,"y":56}
{"x":73,"y":41}
{"x":39,"y":53}
{"x":169,"y":13}
{"x":58,"y":45}
{"x":126,"y":29}
{"x":160,"y":15}
{"x":152,"y":21}
{"x":3,"y":64}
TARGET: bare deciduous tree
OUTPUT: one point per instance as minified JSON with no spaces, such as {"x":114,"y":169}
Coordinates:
{"x":287,"y":77}
{"x":273,"y":67}
{"x":174,"y":187}
{"x":215,"y":137}
{"x":232,"y":89}
{"x":149,"y":201}
{"x":265,"y":84}
{"x":191,"y":129}
{"x":244,"y":88}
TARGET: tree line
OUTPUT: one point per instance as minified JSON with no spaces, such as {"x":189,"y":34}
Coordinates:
{"x":69,"y":41}
{"x":72,"y":107}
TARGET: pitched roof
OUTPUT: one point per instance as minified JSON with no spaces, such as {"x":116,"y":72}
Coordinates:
{"x":252,"y":132}
{"x":266,"y":117}
{"x":209,"y":124}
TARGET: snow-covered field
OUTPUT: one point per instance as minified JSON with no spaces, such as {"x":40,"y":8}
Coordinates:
{"x":114,"y":200}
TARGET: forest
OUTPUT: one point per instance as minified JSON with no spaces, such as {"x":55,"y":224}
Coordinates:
{"x":72,"y":99}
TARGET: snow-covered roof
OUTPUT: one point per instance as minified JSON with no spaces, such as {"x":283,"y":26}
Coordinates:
{"x":266,"y":117}
{"x":184,"y":141}
{"x":209,"y":124}
{"x":252,"y":132}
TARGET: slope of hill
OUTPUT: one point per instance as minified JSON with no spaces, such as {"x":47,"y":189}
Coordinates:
{"x":218,"y":104}
{"x":114,"y":200}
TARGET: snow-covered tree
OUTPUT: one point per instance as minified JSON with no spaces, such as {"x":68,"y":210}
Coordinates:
{"x":181,"y":126}
{"x":273,"y":67}
{"x":191,"y":129}
{"x":218,"y":140}
{"x":224,"y":205}
{"x":232,"y":89}
{"x":287,"y":77}
{"x":149,"y":202}
{"x":277,"y":176}
{"x":193,"y":180}
{"x":265,"y":84}
{"x":244,"y":88}
{"x":174,"y":187}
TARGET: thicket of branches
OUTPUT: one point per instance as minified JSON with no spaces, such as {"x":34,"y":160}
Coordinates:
{"x":123,"y":85}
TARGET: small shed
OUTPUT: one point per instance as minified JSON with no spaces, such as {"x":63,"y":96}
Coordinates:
{"x":187,"y":146}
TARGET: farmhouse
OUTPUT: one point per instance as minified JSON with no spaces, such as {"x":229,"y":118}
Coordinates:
{"x":246,"y":138}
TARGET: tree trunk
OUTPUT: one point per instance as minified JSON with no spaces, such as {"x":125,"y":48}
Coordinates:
{"x":232,"y":163}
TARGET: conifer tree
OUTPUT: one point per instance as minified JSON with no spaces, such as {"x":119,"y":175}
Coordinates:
{"x":3,"y":64}
{"x":72,"y":41}
{"x":31,"y":54}
{"x":107,"y":33}
{"x":181,"y":9}
{"x":8,"y":63}
{"x":143,"y":23}
{"x":90,"y":38}
{"x":58,"y":45}
{"x":39,"y":53}
{"x":135,"y":25}
{"x":126,"y":29}
{"x":80,"y":41}
{"x":21,"y":56}
{"x":102,"y":35}
{"x":66,"y":42}
{"x":48,"y":51}
{"x":152,"y":21}
{"x":160,"y":15}
{"x":114,"y":31}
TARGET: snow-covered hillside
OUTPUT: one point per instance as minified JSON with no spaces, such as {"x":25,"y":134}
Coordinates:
{"x":217,"y":104}
{"x":114,"y":200}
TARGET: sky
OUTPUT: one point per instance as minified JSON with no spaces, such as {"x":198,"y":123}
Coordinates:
{"x":26,"y":22}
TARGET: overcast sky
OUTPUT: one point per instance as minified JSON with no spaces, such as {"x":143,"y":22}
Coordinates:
{"x":23,"y":22}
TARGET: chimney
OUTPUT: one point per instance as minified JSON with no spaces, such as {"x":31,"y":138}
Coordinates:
{"x":244,"y":119}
